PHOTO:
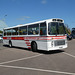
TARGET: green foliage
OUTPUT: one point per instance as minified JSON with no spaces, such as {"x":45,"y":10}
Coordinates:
{"x":68,"y":31}
{"x":1,"y":31}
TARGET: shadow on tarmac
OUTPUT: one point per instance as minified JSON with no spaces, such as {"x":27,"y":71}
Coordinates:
{"x":50,"y":52}
{"x":39,"y":51}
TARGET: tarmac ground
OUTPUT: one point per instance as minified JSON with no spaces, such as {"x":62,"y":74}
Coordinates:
{"x":21,"y":61}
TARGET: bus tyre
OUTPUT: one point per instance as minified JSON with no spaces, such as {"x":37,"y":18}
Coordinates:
{"x":10,"y":44}
{"x":34,"y":47}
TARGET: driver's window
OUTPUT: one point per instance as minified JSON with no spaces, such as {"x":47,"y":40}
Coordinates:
{"x":43,"y":29}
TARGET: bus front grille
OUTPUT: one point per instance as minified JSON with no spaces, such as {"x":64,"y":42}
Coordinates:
{"x":59,"y":42}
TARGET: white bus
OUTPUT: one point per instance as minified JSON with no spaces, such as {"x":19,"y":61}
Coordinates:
{"x":42,"y":35}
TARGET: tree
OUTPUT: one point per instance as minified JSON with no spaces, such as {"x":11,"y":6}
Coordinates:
{"x":1,"y":31}
{"x":68,"y":31}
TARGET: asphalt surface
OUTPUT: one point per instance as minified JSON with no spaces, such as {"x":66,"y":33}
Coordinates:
{"x":21,"y":61}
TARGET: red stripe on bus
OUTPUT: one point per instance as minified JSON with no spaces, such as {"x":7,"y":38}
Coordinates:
{"x":4,"y":37}
{"x":26,"y":40}
{"x":17,"y":38}
{"x":29,"y":47}
{"x":35,"y":38}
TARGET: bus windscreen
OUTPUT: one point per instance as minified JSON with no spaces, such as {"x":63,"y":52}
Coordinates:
{"x":55,"y":28}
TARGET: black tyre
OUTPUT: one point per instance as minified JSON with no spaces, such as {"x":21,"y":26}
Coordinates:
{"x":10,"y":44}
{"x":34,"y":47}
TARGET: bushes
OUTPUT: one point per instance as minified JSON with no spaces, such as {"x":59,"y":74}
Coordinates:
{"x":1,"y":31}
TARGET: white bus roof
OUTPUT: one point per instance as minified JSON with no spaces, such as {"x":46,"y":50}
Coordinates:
{"x":48,"y":20}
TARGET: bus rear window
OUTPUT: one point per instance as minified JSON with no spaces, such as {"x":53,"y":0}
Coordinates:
{"x":5,"y":32}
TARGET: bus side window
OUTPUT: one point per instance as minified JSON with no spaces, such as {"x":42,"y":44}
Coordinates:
{"x":43,"y":29}
{"x":33,"y":29}
{"x":23,"y":30}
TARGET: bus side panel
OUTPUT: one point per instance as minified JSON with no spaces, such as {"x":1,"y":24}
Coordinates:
{"x":42,"y":45}
{"x":5,"y":42}
{"x":19,"y":43}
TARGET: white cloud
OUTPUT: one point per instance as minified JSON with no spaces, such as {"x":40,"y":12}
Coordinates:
{"x":23,"y":18}
{"x":2,"y":25}
{"x":44,"y":1}
{"x":26,"y":16}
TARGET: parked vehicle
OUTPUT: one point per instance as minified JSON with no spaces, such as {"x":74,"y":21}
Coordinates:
{"x":42,"y":35}
{"x":73,"y":33}
{"x":69,"y":37}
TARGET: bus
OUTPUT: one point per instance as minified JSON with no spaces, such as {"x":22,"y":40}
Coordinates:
{"x":42,"y":35}
{"x":73,"y":33}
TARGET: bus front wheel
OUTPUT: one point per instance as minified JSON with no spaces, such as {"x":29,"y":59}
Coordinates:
{"x":34,"y":46}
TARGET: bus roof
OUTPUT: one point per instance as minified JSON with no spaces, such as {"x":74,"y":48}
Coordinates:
{"x":48,"y":20}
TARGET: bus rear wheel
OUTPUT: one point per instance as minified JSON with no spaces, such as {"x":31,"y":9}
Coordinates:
{"x":34,"y":46}
{"x":10,"y":44}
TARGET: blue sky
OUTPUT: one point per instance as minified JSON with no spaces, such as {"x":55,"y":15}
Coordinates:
{"x":14,"y":12}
